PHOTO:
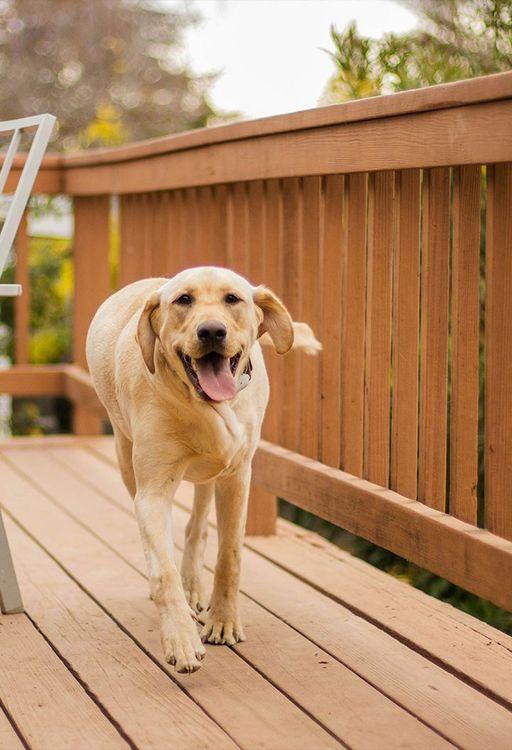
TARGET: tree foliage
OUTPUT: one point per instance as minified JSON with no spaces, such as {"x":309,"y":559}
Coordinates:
{"x":110,"y":70}
{"x":454,"y":39}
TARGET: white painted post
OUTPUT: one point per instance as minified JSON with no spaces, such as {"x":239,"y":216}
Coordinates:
{"x":10,"y":597}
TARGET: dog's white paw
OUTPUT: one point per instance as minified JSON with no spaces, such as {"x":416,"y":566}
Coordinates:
{"x":183,"y":647}
{"x":193,"y":591}
{"x":222,"y":628}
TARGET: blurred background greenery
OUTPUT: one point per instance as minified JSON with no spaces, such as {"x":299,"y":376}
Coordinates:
{"x":129,"y":82}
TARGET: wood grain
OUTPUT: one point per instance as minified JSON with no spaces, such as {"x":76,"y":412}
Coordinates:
{"x":353,"y":322}
{"x":407,"y":141}
{"x":312,"y":299}
{"x":92,"y":285}
{"x":434,"y":338}
{"x":404,"y":428}
{"x":378,"y":328}
{"x":332,"y":284}
{"x":498,"y":363}
{"x":50,"y":708}
{"x":138,"y":695}
{"x":472,"y":558}
{"x":264,"y":716}
{"x":465,"y":330}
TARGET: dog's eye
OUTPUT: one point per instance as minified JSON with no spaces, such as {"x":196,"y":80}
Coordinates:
{"x":232,"y":299}
{"x":184,"y":299}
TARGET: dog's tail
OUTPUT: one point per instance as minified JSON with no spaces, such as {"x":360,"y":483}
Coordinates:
{"x":303,"y":339}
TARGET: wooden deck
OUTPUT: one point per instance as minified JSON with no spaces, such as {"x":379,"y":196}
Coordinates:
{"x":338,"y":654}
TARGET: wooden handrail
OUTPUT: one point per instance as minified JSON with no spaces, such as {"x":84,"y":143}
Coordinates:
{"x":58,"y":173}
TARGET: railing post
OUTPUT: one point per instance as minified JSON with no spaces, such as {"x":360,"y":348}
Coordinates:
{"x":92,"y":286}
{"x":22,"y":301}
{"x":262,"y":512}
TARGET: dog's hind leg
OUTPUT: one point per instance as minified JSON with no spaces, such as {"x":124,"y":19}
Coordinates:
{"x":124,"y":457}
{"x":196,"y":534}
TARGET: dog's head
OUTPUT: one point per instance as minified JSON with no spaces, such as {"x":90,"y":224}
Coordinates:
{"x":206,"y":320}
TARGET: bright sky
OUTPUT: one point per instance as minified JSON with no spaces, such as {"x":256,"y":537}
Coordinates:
{"x":270,"y":51}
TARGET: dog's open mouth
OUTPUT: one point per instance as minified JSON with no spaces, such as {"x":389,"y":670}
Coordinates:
{"x":213,"y":376}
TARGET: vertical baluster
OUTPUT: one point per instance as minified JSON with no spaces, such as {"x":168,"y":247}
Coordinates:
{"x":311,"y":279}
{"x":239,"y":245}
{"x":219,"y":226}
{"x":465,"y":319}
{"x":378,"y":328}
{"x":159,"y":248}
{"x":331,"y":319}
{"x":273,"y":279}
{"x":404,"y":430}
{"x":353,"y":320}
{"x":434,"y":337}
{"x":256,"y":266}
{"x":261,"y":518}
{"x":292,"y":296}
{"x":92,"y":285}
{"x":498,"y":342}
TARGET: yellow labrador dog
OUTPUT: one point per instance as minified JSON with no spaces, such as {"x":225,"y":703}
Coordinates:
{"x":178,"y":367}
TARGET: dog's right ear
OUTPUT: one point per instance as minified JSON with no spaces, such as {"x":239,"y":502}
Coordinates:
{"x":146,"y":334}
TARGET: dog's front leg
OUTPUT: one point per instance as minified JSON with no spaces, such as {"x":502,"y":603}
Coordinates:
{"x":222,"y":623}
{"x":180,"y":640}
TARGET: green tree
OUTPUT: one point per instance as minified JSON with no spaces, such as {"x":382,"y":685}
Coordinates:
{"x":454,"y":39}
{"x":110,"y":70}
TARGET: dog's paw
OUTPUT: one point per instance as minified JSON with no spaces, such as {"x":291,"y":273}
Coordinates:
{"x":221,"y":629}
{"x":183,"y":648}
{"x":193,"y":592}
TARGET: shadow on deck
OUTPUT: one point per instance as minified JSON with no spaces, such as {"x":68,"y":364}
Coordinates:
{"x":338,"y":654}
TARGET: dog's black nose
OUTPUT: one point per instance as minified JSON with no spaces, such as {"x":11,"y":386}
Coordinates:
{"x":211,"y":332}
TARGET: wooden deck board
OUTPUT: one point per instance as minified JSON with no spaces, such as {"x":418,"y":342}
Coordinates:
{"x":298,"y":667}
{"x":313,"y":673}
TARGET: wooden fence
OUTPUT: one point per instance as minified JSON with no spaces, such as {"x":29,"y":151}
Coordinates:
{"x":387,"y":225}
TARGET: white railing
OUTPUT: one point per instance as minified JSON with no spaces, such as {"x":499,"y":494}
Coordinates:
{"x":44,"y":125}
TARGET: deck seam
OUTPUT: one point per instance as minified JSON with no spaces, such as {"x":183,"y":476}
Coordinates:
{"x":304,"y":710}
{"x":70,"y":515}
{"x":354,"y":610}
{"x":416,"y":648}
{"x":251,"y":598}
{"x":90,"y":694}
{"x":10,"y":719}
{"x":117,"y":623}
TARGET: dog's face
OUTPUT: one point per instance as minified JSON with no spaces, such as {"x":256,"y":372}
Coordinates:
{"x":207,"y":320}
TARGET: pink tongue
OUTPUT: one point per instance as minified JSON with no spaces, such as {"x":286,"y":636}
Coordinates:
{"x":215,"y":378}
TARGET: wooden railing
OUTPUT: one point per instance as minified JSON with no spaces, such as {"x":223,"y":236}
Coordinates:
{"x":367,"y":219}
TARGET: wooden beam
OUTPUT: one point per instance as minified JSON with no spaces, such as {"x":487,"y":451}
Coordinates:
{"x":444,"y":96}
{"x":401,"y":142}
{"x":79,"y":389}
{"x":32,"y":380}
{"x":469,"y":557}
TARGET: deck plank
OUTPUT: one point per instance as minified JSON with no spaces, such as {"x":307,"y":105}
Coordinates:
{"x":312,"y":678}
{"x":9,"y":739}
{"x":460,"y":712}
{"x":479,"y":652}
{"x":251,"y":710}
{"x":466,"y":716}
{"x":140,"y":697}
{"x":50,"y":708}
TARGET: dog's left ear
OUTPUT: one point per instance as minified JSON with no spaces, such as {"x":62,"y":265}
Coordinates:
{"x":276,"y":319}
{"x":146,"y":334}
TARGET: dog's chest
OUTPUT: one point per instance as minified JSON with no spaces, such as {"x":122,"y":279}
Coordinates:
{"x":218,"y":446}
